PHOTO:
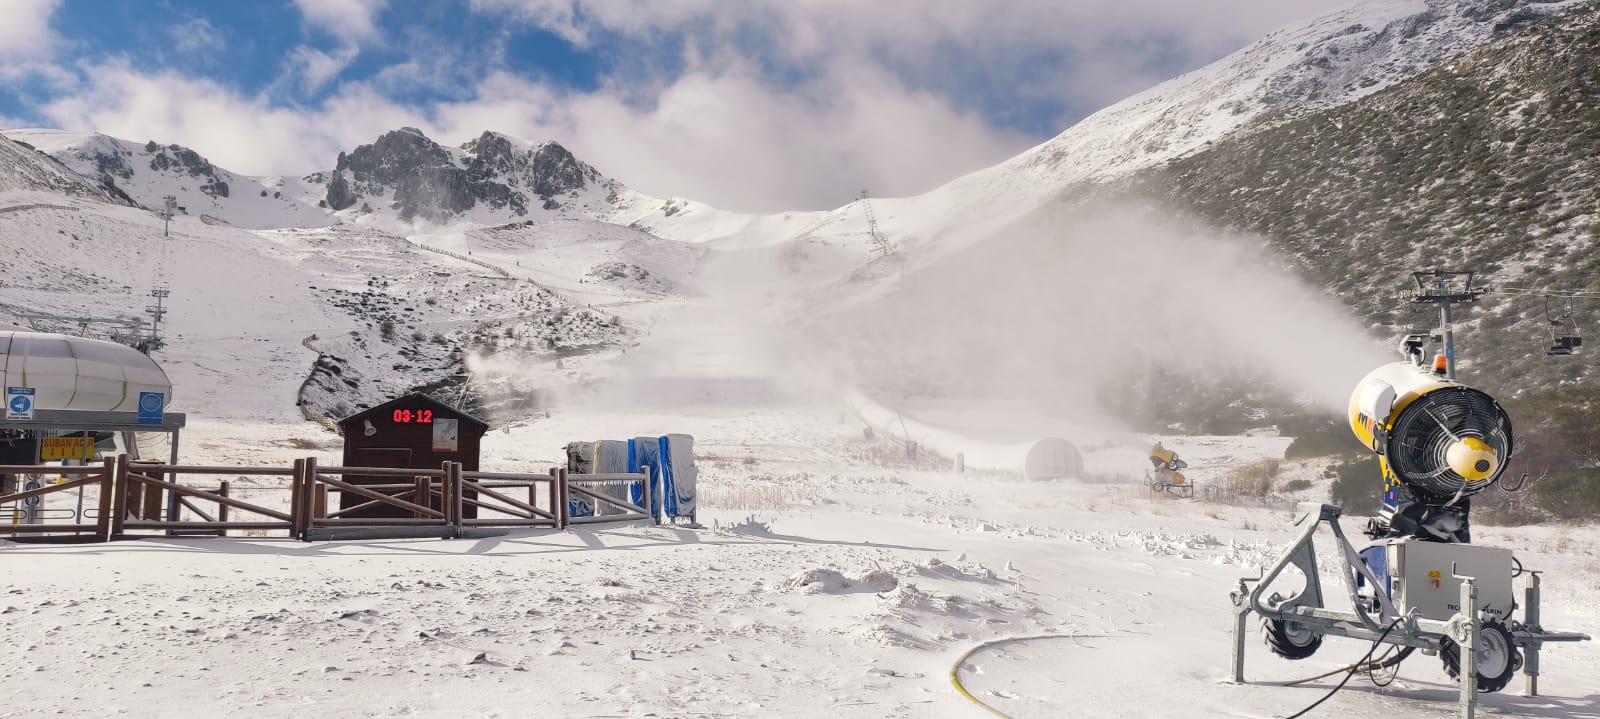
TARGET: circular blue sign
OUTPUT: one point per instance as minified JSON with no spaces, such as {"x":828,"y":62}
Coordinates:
{"x":21,"y":404}
{"x":150,"y":402}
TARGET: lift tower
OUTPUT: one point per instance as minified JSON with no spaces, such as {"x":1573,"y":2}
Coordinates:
{"x":1442,"y":287}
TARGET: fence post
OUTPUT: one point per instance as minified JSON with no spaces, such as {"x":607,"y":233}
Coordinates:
{"x":555,"y":499}
{"x":152,"y":499}
{"x":296,"y":521}
{"x":115,"y":506}
{"x":649,"y":496}
{"x":310,"y":488}
{"x":447,"y":494}
{"x":566,"y":499}
{"x":454,"y":472}
{"x":222,"y":509}
{"x":109,"y":482}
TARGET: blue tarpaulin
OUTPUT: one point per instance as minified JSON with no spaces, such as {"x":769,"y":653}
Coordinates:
{"x":669,"y":463}
{"x":679,"y":475}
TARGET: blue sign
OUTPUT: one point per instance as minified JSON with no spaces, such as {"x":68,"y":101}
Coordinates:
{"x":150,"y":404}
{"x":19,"y":403}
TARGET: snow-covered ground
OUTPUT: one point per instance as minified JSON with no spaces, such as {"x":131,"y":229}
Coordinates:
{"x":832,"y":578}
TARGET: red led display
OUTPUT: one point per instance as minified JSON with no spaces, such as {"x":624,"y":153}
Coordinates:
{"x":408,"y":416}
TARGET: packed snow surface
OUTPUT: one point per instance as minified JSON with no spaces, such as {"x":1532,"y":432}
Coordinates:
{"x":832,"y":577}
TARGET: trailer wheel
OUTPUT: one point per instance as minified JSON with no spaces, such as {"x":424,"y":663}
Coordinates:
{"x":1498,"y":658}
{"x":1290,"y":639}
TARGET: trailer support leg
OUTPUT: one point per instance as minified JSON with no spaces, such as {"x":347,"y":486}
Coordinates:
{"x":1241,"y":610}
{"x":1530,"y":654}
{"x":1467,"y":645}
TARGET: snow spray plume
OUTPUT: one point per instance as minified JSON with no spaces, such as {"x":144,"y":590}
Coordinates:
{"x":1063,"y":308}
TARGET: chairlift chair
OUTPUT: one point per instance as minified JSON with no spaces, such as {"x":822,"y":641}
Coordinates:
{"x":1563,"y":329}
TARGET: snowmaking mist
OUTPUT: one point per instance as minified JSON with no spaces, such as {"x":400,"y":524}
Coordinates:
{"x":1073,"y":319}
{"x":1091,"y":315}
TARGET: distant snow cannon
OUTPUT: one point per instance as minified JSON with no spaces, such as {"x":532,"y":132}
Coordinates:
{"x":1438,"y":441}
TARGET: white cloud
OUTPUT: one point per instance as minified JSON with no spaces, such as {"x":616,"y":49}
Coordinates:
{"x":731,"y":141}
{"x":1109,"y":48}
{"x":26,"y":33}
{"x":314,"y":68}
{"x":725,"y":139}
{"x":244,"y":134}
{"x":348,"y":20}
{"x":865,"y":99}
{"x":196,"y":37}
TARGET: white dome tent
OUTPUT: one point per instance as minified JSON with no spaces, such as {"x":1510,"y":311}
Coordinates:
{"x":1045,"y":458}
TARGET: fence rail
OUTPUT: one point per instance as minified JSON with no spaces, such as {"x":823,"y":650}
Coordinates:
{"x":137,"y":497}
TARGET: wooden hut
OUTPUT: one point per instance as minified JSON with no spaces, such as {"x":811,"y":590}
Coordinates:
{"x":412,"y":432}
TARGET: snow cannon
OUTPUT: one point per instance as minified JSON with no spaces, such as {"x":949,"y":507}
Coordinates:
{"x":1419,"y":585}
{"x":1438,"y":442}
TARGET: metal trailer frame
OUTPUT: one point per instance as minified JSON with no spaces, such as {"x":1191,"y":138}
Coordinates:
{"x":1308,"y":609}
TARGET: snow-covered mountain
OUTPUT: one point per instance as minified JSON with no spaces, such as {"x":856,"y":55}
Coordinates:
{"x":1325,"y":62}
{"x":480,"y":196}
{"x":403,"y":177}
{"x":24,"y":167}
{"x":149,"y":172}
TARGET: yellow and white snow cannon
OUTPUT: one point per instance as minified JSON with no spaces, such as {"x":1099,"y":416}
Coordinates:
{"x":1167,"y":478}
{"x":1421,"y":586}
{"x":1439,"y":442}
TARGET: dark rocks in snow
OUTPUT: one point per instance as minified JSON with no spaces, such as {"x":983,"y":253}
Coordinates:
{"x":178,"y":157}
{"x":113,"y":164}
{"x":428,"y":180}
{"x":339,"y":194}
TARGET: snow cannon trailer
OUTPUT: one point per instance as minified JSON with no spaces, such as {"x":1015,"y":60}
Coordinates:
{"x":1418,"y":584}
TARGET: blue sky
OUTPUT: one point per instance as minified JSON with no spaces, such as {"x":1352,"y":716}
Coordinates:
{"x":746,"y":104}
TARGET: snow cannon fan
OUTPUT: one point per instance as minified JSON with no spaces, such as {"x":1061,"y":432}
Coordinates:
{"x":1438,"y":441}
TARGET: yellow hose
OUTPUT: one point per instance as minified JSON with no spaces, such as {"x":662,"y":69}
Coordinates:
{"x":955,"y":671}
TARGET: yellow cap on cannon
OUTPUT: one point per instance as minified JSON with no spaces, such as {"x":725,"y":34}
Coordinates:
{"x":1472,"y":458}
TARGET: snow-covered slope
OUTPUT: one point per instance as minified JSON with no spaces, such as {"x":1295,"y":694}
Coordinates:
{"x":149,"y":172}
{"x":24,"y":168}
{"x":1325,"y":62}
{"x":273,"y":324}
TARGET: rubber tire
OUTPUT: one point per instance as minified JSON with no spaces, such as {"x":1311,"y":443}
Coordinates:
{"x":1284,"y":643}
{"x":1450,"y":654}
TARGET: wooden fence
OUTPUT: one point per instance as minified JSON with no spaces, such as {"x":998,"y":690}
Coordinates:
{"x":135,"y":499}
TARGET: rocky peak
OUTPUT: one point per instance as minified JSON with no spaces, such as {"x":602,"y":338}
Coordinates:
{"x":394,"y":156}
{"x":430,"y":181}
{"x":171,"y":159}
